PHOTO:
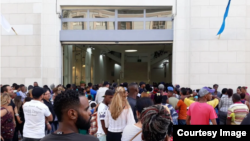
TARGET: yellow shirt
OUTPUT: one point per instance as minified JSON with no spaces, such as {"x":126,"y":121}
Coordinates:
{"x":191,"y":98}
{"x":213,"y":103}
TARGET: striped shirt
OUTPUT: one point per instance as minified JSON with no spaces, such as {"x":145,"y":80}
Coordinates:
{"x":240,"y":110}
{"x":173,"y":113}
{"x":225,"y":103}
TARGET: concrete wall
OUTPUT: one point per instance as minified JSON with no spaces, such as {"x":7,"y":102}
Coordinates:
{"x":201,"y":58}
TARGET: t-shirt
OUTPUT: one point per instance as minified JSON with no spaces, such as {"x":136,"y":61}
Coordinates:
{"x":34,"y":114}
{"x":69,"y":137}
{"x":246,"y":120}
{"x":201,"y":113}
{"x":173,"y":101}
{"x":101,"y":116}
{"x":182,"y":110}
{"x":213,"y":103}
{"x":129,"y":132}
{"x":240,"y":111}
{"x":99,"y":95}
{"x":132,"y":103}
{"x":93,"y":94}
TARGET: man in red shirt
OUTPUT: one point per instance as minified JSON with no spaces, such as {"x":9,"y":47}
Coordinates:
{"x":200,"y":112}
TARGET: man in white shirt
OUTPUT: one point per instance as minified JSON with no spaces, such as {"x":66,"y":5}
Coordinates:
{"x":22,"y":92}
{"x":35,"y":113}
{"x":102,"y":131}
{"x":100,"y":93}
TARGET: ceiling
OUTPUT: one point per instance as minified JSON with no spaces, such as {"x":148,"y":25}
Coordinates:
{"x":141,"y":49}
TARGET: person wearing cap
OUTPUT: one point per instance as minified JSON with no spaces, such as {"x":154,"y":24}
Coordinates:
{"x":142,"y":87}
{"x":35,"y":113}
{"x":82,"y":84}
{"x":171,"y":98}
{"x":92,"y":92}
{"x":102,"y":108}
{"x":199,"y":113}
{"x":101,"y":92}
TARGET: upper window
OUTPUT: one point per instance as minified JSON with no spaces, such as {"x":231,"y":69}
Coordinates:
{"x":158,"y":13}
{"x":130,"y":14}
{"x":101,"y":13}
{"x":81,"y":13}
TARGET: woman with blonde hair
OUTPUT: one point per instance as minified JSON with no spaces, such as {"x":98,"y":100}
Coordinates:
{"x":118,"y":115}
{"x":7,"y":118}
{"x":29,"y":94}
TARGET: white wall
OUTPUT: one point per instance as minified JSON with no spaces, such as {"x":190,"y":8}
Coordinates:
{"x":201,"y":58}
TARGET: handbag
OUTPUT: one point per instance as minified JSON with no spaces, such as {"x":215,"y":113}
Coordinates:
{"x":136,"y":135}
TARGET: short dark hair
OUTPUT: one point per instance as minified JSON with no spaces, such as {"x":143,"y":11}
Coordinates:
{"x":158,"y":98}
{"x":215,"y":85}
{"x":184,"y":91}
{"x":229,"y":92}
{"x":21,"y":85}
{"x":68,"y":86}
{"x":66,"y":100}
{"x":27,"y":99}
{"x":89,"y":97}
{"x":142,"y":103}
{"x":90,"y":84}
{"x":236,"y":97}
{"x":93,"y":105}
{"x":164,"y":99}
{"x":17,"y":87}
{"x":224,"y":90}
{"x":4,"y":88}
{"x":242,"y":95}
{"x":14,"y":84}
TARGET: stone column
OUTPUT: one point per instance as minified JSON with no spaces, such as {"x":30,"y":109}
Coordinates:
{"x":122,"y":66}
{"x":67,"y":64}
{"x":149,"y":67}
{"x":96,"y":66}
{"x":88,"y":65}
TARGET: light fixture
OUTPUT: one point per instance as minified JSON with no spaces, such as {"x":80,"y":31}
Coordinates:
{"x":73,"y":67}
{"x":131,"y":50}
{"x":83,"y":66}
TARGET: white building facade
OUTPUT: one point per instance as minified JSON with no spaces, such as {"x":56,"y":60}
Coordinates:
{"x":199,"y":58}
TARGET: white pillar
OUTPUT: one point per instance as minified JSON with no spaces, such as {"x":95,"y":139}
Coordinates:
{"x":67,"y":64}
{"x":149,"y":67}
{"x":97,"y":66}
{"x":122,"y":66}
{"x":88,"y":65}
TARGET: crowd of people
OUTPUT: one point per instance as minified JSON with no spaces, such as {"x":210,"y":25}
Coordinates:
{"x":112,"y":112}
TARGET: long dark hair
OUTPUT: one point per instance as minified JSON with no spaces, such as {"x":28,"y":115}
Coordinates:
{"x":18,"y":102}
{"x":229,"y":92}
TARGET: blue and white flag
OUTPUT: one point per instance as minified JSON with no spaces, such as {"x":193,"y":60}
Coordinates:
{"x":224,"y":20}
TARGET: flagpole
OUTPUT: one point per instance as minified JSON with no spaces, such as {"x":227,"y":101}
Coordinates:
{"x":13,"y":30}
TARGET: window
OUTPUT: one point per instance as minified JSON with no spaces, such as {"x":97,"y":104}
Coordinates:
{"x":159,"y":12}
{"x":73,"y":25}
{"x":103,"y":25}
{"x":129,"y":25}
{"x":74,"y":13}
{"x":159,"y":25}
{"x":101,"y":13}
{"x":130,"y":13}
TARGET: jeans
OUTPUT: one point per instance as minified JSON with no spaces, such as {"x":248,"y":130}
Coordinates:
{"x":114,"y":136}
{"x":30,"y":139}
{"x":181,"y":122}
{"x":223,"y":118}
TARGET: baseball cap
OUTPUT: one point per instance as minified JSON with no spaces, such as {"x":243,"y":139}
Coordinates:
{"x":177,"y":86}
{"x":204,"y":91}
{"x":161,"y":86}
{"x":171,"y":89}
{"x":109,"y":92}
{"x":105,"y":83}
{"x":37,"y":91}
{"x":82,"y":82}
